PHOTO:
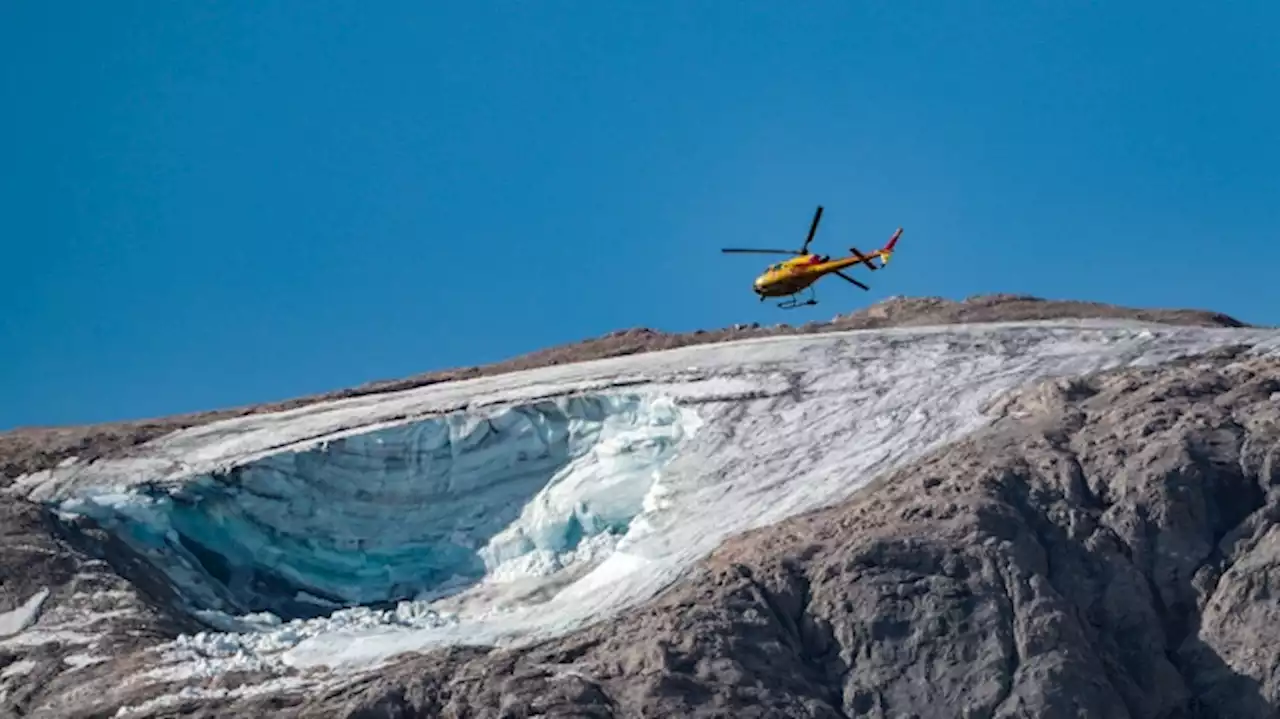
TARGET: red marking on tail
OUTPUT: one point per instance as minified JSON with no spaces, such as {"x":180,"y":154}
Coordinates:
{"x":893,"y":240}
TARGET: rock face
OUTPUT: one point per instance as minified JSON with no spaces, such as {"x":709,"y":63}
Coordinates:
{"x":1107,"y":550}
{"x":96,"y":614}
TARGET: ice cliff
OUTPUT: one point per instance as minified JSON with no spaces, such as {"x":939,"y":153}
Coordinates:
{"x":401,"y":512}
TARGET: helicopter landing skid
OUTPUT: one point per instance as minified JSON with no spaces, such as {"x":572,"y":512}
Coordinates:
{"x":794,"y":301}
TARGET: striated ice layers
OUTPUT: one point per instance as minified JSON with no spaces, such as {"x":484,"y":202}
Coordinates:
{"x":410,"y":511}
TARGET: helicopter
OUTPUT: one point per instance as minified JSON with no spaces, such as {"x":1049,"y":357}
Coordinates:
{"x":791,"y":277}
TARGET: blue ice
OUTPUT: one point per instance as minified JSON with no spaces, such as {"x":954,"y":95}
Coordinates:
{"x":403,"y":510}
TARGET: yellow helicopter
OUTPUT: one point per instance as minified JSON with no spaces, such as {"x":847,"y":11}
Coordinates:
{"x":791,"y":277}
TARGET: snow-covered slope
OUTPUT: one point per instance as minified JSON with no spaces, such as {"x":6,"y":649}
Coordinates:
{"x":519,"y":506}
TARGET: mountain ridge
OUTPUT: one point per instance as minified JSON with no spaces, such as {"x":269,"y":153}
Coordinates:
{"x":29,"y":449}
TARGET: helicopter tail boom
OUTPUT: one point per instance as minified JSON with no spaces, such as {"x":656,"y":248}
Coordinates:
{"x":893,"y":240}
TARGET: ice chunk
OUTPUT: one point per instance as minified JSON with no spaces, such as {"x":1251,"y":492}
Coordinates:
{"x":16,"y":620}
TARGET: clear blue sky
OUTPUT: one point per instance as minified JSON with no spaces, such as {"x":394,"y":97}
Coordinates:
{"x":210,"y":204}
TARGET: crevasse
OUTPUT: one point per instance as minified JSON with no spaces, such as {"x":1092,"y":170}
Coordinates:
{"x":409,"y":511}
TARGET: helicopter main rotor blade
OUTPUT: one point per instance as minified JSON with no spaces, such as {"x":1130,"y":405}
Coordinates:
{"x":813,"y":229}
{"x":847,"y":277}
{"x":764,"y":252}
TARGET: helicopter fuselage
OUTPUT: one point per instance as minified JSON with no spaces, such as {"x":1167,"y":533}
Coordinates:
{"x":794,"y":275}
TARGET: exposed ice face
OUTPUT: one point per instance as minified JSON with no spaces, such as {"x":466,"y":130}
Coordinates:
{"x":405,"y":511}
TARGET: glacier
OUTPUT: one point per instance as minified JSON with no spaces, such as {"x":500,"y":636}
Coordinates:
{"x":509,"y":508}
{"x":405,"y":512}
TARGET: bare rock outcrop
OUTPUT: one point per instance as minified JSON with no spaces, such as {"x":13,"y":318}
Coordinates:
{"x":91,"y":604}
{"x":919,"y":311}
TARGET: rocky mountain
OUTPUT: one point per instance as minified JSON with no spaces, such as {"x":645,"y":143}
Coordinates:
{"x":1101,"y":546}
